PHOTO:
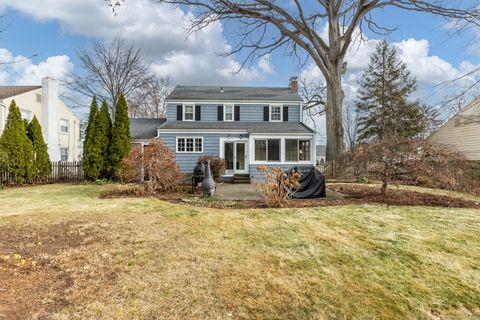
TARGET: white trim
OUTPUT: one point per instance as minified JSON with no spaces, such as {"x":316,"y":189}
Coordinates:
{"x":203,"y":131}
{"x":245,"y":140}
{"x":218,"y":102}
{"x":282,"y":149}
{"x":188,"y":137}
{"x":225,"y":112}
{"x":270,"y":112}
{"x":68,"y":126}
{"x":183,"y":111}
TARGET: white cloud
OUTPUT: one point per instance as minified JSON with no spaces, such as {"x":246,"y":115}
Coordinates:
{"x":26,"y":72}
{"x":159,"y":29}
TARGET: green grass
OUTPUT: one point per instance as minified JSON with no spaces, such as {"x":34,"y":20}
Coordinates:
{"x":148,"y":259}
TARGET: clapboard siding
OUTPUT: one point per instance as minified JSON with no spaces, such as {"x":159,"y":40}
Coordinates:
{"x":248,"y":112}
{"x":462,"y":132}
{"x":255,"y":175}
{"x":188,"y":161}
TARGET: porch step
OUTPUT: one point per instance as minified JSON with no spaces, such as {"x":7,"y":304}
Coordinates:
{"x":241,"y":178}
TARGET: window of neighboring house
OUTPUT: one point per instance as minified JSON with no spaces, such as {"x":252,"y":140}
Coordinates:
{"x":297,"y":150}
{"x":267,"y":150}
{"x":275,"y":113}
{"x":63,"y":125}
{"x":228,"y":112}
{"x":188,"y":112}
{"x":190,"y":145}
{"x":26,"y":114}
{"x":39,"y":97}
{"x":63,"y":154}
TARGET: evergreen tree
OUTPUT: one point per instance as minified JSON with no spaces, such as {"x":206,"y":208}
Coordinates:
{"x":41,"y":161}
{"x":16,"y":147}
{"x":88,"y":160}
{"x":383,"y":106}
{"x":120,"y":142}
{"x":98,"y":166}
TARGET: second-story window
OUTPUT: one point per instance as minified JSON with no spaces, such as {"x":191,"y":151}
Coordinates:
{"x":26,"y":114}
{"x":228,"y":110}
{"x":63,"y":125}
{"x":189,"y":112}
{"x":275,"y":113}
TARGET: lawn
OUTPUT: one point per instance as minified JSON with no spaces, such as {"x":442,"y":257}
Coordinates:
{"x":67,"y":254}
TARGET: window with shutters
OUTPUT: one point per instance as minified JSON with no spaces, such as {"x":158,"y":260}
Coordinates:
{"x":188,"y":112}
{"x":276,"y":112}
{"x":228,"y":112}
{"x":190,"y":145}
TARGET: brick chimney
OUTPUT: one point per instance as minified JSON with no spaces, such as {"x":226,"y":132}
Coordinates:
{"x":50,"y":124}
{"x":294,"y":84}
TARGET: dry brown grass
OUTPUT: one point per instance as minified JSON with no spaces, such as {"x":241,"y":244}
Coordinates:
{"x":148,"y":259}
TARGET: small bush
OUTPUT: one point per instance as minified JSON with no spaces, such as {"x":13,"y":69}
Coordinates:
{"x":277,"y":186}
{"x":217,"y":165}
{"x":156,"y":162}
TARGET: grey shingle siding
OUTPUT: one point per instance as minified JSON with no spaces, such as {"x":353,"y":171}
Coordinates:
{"x":248,"y":112}
{"x":215,"y":93}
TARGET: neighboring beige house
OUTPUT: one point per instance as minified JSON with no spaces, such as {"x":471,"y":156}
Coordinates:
{"x":462,"y":131}
{"x":60,"y":126}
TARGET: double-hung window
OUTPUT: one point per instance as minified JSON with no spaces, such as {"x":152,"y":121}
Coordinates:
{"x":26,"y":114}
{"x":297,"y":150}
{"x":228,"y":112}
{"x":275,"y":112}
{"x":63,"y":125}
{"x":190,"y":145}
{"x":63,"y":154}
{"x":267,"y":150}
{"x":189,"y":112}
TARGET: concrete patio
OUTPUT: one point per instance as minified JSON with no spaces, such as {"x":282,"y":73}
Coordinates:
{"x":238,"y":192}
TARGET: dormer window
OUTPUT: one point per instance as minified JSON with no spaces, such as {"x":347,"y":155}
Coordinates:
{"x":228,"y":112}
{"x":275,"y":112}
{"x":188,"y":112}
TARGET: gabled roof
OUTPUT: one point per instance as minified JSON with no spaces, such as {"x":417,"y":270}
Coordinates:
{"x":227,"y":93}
{"x":142,"y":128}
{"x":10,"y":91}
{"x":253,"y":127}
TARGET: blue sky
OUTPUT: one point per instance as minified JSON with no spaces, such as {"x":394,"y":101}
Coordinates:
{"x":55,"y":29}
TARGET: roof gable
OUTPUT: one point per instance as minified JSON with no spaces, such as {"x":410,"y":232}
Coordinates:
{"x":11,"y":91}
{"x":230,"y":93}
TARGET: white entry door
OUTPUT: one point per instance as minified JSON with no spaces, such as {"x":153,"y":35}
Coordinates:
{"x":236,"y":156}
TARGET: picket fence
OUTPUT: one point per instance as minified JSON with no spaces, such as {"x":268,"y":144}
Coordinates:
{"x":62,"y":171}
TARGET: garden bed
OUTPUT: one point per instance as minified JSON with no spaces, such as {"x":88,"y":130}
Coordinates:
{"x":354,"y":194}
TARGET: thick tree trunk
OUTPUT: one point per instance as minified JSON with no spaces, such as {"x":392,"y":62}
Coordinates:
{"x":335,"y":141}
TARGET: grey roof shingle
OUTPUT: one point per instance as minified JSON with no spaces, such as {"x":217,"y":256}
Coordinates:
{"x":227,"y":93}
{"x":254,"y":127}
{"x":10,"y":91}
{"x":141,"y":128}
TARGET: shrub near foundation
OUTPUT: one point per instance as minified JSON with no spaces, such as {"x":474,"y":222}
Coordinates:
{"x":276,"y":186}
{"x":217,"y":165}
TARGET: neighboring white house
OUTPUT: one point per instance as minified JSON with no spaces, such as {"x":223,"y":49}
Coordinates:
{"x":462,"y":131}
{"x":60,"y":126}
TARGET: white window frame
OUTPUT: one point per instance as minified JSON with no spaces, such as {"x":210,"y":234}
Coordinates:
{"x":22,"y":111}
{"x":282,"y":137}
{"x":193,"y":112}
{"x":63,"y":148}
{"x":280,"y":146}
{"x":194,"y":144}
{"x":67,"y":126}
{"x":298,"y":150}
{"x":39,"y":98}
{"x":225,"y":112}
{"x":281,"y":112}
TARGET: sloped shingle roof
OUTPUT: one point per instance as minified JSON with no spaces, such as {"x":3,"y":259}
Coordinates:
{"x":10,"y":91}
{"x":227,"y":93}
{"x":254,"y":127}
{"x":141,"y":128}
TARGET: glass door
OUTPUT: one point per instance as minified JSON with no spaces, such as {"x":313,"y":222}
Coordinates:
{"x":235,"y":154}
{"x":240,"y":157}
{"x":230,"y":157}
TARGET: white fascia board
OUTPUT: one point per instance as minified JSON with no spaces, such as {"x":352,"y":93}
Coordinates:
{"x":221,"y":102}
{"x":188,"y":131}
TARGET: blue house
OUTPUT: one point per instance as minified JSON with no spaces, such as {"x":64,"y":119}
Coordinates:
{"x":246,"y":126}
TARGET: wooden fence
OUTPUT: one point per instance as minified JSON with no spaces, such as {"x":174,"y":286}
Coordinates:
{"x":62,"y":171}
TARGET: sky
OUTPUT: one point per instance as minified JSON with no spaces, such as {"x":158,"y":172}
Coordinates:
{"x":46,"y":34}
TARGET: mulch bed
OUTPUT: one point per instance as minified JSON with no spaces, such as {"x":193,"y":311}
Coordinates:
{"x":355,"y":194}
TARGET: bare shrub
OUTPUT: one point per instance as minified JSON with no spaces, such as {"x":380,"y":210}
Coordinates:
{"x":277,"y":186}
{"x":156,"y":162}
{"x":416,"y":162}
{"x":217,"y":165}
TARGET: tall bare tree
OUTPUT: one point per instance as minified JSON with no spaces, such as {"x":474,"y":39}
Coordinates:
{"x":313,"y":95}
{"x":109,"y":69}
{"x":268,"y":25}
{"x":350,"y":125}
{"x":149,"y":100}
